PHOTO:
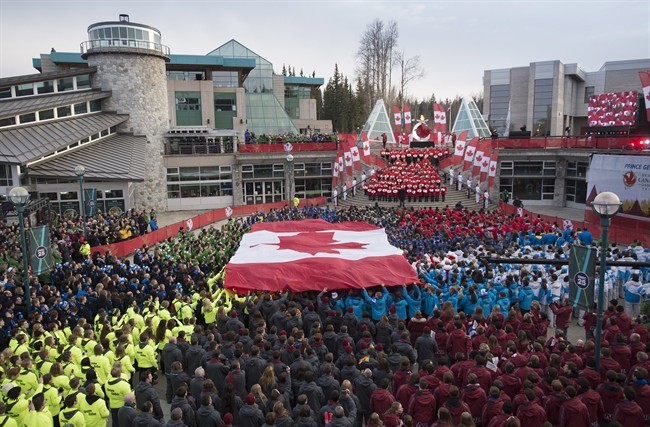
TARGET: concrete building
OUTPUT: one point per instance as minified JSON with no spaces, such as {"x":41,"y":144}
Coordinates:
{"x":548,"y":97}
{"x":155,"y":129}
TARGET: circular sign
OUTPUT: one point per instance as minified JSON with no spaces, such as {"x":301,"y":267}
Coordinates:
{"x":581,"y":280}
{"x":40,"y":252}
{"x":228,"y":211}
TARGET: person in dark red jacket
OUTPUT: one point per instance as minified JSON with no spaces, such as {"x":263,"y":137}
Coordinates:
{"x":402,"y":375}
{"x":404,"y":393}
{"x":607,"y":363}
{"x":628,"y":412}
{"x":458,"y":340}
{"x":500,"y":419}
{"x":511,"y":383}
{"x":562,"y":315}
{"x":455,"y":405}
{"x":554,"y":401}
{"x":475,"y":398}
{"x":591,"y":374}
{"x":592,"y":400}
{"x":642,"y":389}
{"x":612,"y":395}
{"x":422,"y":406}
{"x":441,"y":394}
{"x":531,"y":414}
{"x":574,"y":413}
{"x":493,"y":406}
{"x":381,"y":399}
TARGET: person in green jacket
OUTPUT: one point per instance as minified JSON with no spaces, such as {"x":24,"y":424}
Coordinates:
{"x":5,"y":419}
{"x":145,"y":355}
{"x":17,"y":405}
{"x":52,"y":396}
{"x":71,"y":415}
{"x":116,"y":388}
{"x":93,"y":408}
{"x":38,"y":414}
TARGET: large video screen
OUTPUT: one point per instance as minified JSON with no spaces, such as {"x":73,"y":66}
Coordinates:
{"x":612,"y":109}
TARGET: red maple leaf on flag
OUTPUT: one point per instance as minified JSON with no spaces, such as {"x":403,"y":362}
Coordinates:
{"x":485,"y":164}
{"x":470,"y":152}
{"x":492,"y":168}
{"x":315,"y":242}
{"x":479,"y":157}
{"x":347,"y":158}
{"x":648,"y":97}
{"x":459,"y":147}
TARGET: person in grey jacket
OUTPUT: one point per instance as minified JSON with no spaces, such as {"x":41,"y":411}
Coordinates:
{"x":176,"y":418}
{"x":181,"y":401}
{"x":145,"y":392}
{"x":206,"y":415}
{"x":170,"y":354}
{"x":144,"y":418}
{"x":364,"y":386}
{"x":249,"y":414}
{"x":426,"y":346}
{"x":127,"y":413}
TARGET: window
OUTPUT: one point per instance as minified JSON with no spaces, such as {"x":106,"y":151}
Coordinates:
{"x":27,"y":118}
{"x":225,"y":79}
{"x":66,"y":84}
{"x":95,"y":105}
{"x":81,"y":108}
{"x":63,"y":111}
{"x":5,"y":175}
{"x":589,"y":92}
{"x":25,"y":89}
{"x":189,"y":174}
{"x":188,"y":109}
{"x":542,"y":106}
{"x":8,"y":121}
{"x":83,"y":82}
{"x":45,"y":87}
{"x":45,"y":114}
{"x":499,"y":105}
{"x":5,"y":92}
{"x":173,"y":191}
{"x":69,"y":195}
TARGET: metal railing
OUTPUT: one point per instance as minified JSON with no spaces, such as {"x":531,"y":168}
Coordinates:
{"x":198,"y":148}
{"x":124,"y":43}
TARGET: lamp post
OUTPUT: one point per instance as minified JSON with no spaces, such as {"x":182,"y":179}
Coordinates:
{"x":290,"y":178}
{"x":19,"y":197}
{"x":80,"y":171}
{"x":605,"y":205}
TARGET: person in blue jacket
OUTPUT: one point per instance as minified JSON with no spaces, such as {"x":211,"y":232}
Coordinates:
{"x":485,"y":302}
{"x":503,"y":302}
{"x":400,"y":305}
{"x":430,"y":301}
{"x":377,"y":304}
{"x":526,"y":297}
{"x":357,"y":303}
{"x":413,"y":300}
{"x":585,"y":237}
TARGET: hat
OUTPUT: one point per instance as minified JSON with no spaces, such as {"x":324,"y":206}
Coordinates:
{"x":350,"y":310}
{"x":427,"y":330}
{"x":250,"y":399}
{"x":283,"y":332}
{"x":233,"y":313}
{"x":380,"y":347}
{"x":227,"y":418}
{"x":335,"y":295}
{"x":362,"y":346}
{"x":483,"y":292}
{"x":392,"y":308}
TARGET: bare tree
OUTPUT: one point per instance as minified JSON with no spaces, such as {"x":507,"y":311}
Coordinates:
{"x":375,"y":58}
{"x":410,"y":70}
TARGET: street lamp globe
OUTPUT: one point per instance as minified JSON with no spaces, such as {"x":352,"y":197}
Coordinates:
{"x":80,"y":171}
{"x":18,"y":196}
{"x":606,"y":204}
{"x":289,"y":158}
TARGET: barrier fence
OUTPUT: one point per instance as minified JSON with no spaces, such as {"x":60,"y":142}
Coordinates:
{"x":623,"y":230}
{"x":278,"y":147}
{"x":127,"y":247}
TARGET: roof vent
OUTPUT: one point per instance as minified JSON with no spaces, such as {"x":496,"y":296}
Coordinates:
{"x":124,"y":18}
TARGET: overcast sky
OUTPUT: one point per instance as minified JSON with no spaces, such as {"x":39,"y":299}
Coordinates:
{"x":457,"y":40}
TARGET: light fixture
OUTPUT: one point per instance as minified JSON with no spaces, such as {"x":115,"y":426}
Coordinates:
{"x":18,"y":196}
{"x":606,"y":204}
{"x":289,"y":157}
{"x":80,"y":171}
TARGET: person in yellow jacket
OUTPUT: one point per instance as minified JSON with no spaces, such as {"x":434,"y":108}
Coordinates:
{"x":145,"y":355}
{"x":5,"y":419}
{"x":27,"y":380}
{"x":93,"y":408}
{"x":71,"y":415}
{"x":125,"y":361}
{"x":100,"y":364}
{"x":296,"y":202}
{"x":116,"y":388}
{"x":84,"y":250}
{"x":52,"y":396}
{"x":39,"y":415}
{"x":17,"y":405}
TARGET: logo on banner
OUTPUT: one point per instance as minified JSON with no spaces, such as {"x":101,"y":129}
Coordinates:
{"x":629,"y":179}
{"x":228,"y":211}
{"x":288,"y":147}
{"x":189,"y":224}
{"x":40,"y":252}
{"x":581,"y":280}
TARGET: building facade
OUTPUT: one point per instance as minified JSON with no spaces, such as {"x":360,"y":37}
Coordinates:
{"x":550,"y":98}
{"x":155,"y":129}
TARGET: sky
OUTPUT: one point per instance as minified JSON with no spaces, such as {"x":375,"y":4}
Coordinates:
{"x":456,"y":40}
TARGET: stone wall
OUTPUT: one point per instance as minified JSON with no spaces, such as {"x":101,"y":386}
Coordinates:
{"x":139,"y":89}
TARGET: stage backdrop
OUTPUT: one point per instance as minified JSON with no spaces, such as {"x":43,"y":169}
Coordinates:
{"x":626,"y":176}
{"x":315,"y":255}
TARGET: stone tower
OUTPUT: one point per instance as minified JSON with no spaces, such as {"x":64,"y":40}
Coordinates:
{"x":130,"y":62}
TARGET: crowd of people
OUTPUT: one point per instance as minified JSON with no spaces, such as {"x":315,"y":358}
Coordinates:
{"x":472,"y":344}
{"x":252,"y":138}
{"x":402,"y":181}
{"x":413,"y":155}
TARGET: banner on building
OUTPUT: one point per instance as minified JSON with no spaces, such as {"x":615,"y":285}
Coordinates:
{"x":582,"y":271}
{"x":612,"y":109}
{"x":40,"y":249}
{"x":90,"y":201}
{"x":626,"y":176}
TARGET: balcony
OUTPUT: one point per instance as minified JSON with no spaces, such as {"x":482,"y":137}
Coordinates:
{"x":124,"y":45}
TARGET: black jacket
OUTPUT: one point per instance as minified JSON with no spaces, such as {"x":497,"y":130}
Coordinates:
{"x":144,"y":392}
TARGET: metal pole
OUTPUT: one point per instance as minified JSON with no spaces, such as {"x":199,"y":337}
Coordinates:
{"x":604,"y":223}
{"x":28,"y":295}
{"x":83,"y":207}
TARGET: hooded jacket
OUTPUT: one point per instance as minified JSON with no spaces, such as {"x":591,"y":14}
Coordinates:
{"x":474,"y":396}
{"x":145,"y":419}
{"x":364,"y":388}
{"x":422,"y":407}
{"x":94,"y":410}
{"x":629,"y":414}
{"x":187,"y":408}
{"x":380,"y":401}
{"x":170,"y":354}
{"x":531,"y":414}
{"x":144,"y":392}
{"x":250,"y":416}
{"x":574,"y":413}
{"x":456,"y":407}
{"x":612,"y":395}
{"x":207,"y":416}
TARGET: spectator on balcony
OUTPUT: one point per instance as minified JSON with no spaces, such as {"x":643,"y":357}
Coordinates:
{"x":247,"y":137}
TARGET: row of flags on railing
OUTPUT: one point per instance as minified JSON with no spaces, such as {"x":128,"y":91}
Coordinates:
{"x":348,"y":160}
{"x":403,"y":119}
{"x":477,"y":156}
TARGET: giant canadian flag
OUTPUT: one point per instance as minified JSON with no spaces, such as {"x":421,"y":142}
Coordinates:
{"x":313,"y":255}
